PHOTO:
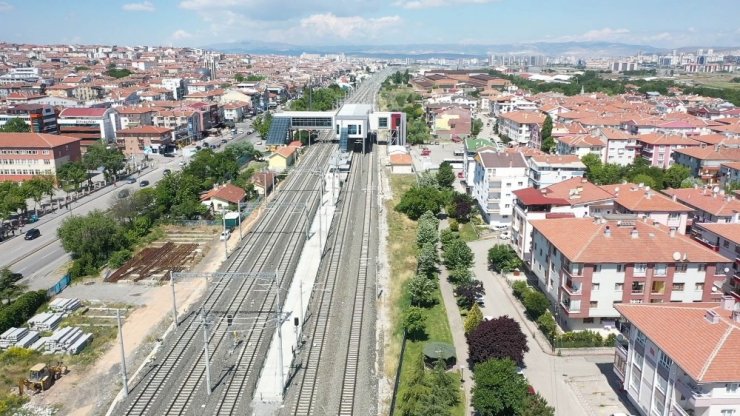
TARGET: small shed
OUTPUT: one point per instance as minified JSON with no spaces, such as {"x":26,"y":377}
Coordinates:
{"x":444,"y":351}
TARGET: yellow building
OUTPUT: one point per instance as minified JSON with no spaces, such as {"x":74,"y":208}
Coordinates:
{"x":282,"y":158}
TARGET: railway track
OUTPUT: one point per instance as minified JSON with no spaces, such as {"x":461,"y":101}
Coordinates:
{"x":307,"y":389}
{"x":183,"y":348}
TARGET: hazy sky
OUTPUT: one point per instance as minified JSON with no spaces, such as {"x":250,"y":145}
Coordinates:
{"x":202,"y":22}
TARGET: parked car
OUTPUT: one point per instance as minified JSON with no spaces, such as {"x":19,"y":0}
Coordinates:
{"x":131,"y":180}
{"x":426,"y":152}
{"x":169,"y":155}
{"x":144,"y":183}
{"x":32,"y":233}
{"x":166,"y":171}
{"x":224,"y":235}
{"x":224,"y":141}
{"x":505,"y":235}
{"x":123,"y":193}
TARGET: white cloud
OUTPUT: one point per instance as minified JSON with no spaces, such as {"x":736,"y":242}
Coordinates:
{"x":145,"y":6}
{"x":330,"y":25}
{"x":426,"y":4}
{"x":181,"y":35}
{"x":5,"y":7}
{"x":605,"y":34}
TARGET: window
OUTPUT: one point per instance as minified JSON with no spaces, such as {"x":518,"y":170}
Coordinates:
{"x":727,"y":412}
{"x":725,"y":243}
{"x":640,"y":269}
{"x":597,"y":268}
{"x":641,"y":338}
{"x":673,"y":216}
{"x":593,"y":304}
{"x":681,"y":267}
{"x":661,"y":269}
{"x":678,"y":287}
{"x":595,"y":286}
{"x":620,"y":268}
{"x":701,"y":267}
{"x":636,"y":301}
{"x":699,"y":287}
{"x":520,"y":183}
{"x":588,"y":320}
{"x":638,"y":287}
{"x":720,"y":269}
{"x":352,"y":129}
{"x":383,"y":122}
{"x":618,"y":287}
{"x":731,"y":387}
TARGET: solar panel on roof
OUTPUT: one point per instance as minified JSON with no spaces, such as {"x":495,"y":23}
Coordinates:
{"x":278,"y":133}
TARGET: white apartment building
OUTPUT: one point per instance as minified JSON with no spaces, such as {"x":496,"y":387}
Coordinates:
{"x":520,"y":125}
{"x":630,"y":198}
{"x":708,"y":204}
{"x":25,"y":74}
{"x":497,"y":176}
{"x":620,"y":146}
{"x":587,"y":265}
{"x":581,"y":145}
{"x":681,"y":359}
{"x":724,"y":239}
{"x":471,"y":147}
{"x":546,"y":170}
{"x":513,"y":103}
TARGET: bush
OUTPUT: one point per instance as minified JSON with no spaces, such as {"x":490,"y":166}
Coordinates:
{"x":580,"y":339}
{"x":457,"y":254}
{"x":421,"y":290}
{"x":500,"y":337}
{"x":119,"y":258}
{"x":454,"y":226}
{"x":460,"y":275}
{"x":414,"y":322}
{"x":546,"y":323}
{"x":503,"y":259}
{"x":520,"y":288}
{"x":447,"y":236}
{"x":21,"y":309}
{"x":535,"y":303}
{"x":468,"y":293}
{"x":474,"y":318}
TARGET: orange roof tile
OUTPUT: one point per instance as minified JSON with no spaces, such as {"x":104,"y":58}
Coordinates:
{"x":402,"y":159}
{"x":34,"y":140}
{"x":707,"y":352}
{"x":704,"y":200}
{"x":638,"y":199}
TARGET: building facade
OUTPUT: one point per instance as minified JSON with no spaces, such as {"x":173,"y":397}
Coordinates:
{"x":497,"y":176}
{"x":25,"y":155}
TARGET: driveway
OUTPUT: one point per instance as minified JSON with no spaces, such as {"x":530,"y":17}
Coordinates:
{"x":575,"y":386}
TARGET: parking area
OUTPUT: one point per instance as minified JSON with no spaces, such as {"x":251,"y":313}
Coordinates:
{"x":595,"y":384}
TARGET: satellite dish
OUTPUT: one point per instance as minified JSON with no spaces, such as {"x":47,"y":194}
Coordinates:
{"x":715,"y":189}
{"x":676,"y":256}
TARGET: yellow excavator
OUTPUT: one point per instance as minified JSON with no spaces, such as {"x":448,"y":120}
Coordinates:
{"x":41,"y":377}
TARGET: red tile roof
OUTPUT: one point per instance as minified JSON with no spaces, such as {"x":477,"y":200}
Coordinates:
{"x":525,"y":117}
{"x":728,"y":231}
{"x":144,"y":130}
{"x":654,"y":138}
{"x":583,"y":240}
{"x":83,"y":112}
{"x":705,"y":351}
{"x":230,"y":193}
{"x":711,"y":153}
{"x":34,"y":140}
{"x":401,"y":159}
{"x":532,"y":196}
{"x":638,"y":199}
{"x":703,"y":199}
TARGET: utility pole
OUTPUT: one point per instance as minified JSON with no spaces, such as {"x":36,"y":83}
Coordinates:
{"x":206,"y":354}
{"x":123,"y":354}
{"x":279,"y":325}
{"x":239,"y":209}
{"x":226,"y":248}
{"x":174,"y":302}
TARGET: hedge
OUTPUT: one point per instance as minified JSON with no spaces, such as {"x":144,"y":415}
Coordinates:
{"x":23,"y":308}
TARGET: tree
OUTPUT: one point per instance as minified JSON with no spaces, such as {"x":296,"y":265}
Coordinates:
{"x":72,"y":174}
{"x":414,"y":322}
{"x":674,"y":175}
{"x":111,"y":160}
{"x":21,"y":309}
{"x":536,"y":405}
{"x":474,"y":318}
{"x":501,"y":337}
{"x":645,"y":180}
{"x":426,"y":233}
{"x":427,"y":179}
{"x":547,"y":325}
{"x":92,"y":237}
{"x":418,"y":200}
{"x":457,"y":254}
{"x":421,"y":290}
{"x":445,"y":175}
{"x":503,"y":259}
{"x":535,"y":303}
{"x":548,"y":143}
{"x":498,"y":389}
{"x":460,"y":276}
{"x":262,"y":124}
{"x":36,"y":187}
{"x":461,"y":207}
{"x":476,"y":127}
{"x":468,"y":293}
{"x":15,"y":125}
{"x":417,"y":390}
{"x":427,"y":259}
{"x":239,"y":78}
{"x":8,"y":285}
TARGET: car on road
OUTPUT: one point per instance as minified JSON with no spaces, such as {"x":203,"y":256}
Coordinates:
{"x":505,"y":235}
{"x":224,"y":235}
{"x":131,"y":180}
{"x":123,"y":193}
{"x":224,"y":141}
{"x":426,"y":152}
{"x":144,"y":183}
{"x":169,"y":155}
{"x":32,"y":233}
{"x":166,"y":171}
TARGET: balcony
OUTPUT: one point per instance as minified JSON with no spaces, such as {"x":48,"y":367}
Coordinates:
{"x":677,"y":410}
{"x":571,"y":288}
{"x":695,"y":398}
{"x":571,"y":306}
{"x":572,"y":271}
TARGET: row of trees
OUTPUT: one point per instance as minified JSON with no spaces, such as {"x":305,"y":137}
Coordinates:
{"x":537,"y":308}
{"x":109,"y":237}
{"x":639,"y":171}
{"x":15,"y":125}
{"x":400,"y":98}
{"x":430,"y":392}
{"x":503,"y":259}
{"x":249,"y":78}
{"x":319,"y":99}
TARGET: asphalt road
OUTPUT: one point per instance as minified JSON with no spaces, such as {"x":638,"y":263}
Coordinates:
{"x":39,"y":259}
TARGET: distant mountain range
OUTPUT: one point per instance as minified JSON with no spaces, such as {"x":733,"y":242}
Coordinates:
{"x":450,"y":51}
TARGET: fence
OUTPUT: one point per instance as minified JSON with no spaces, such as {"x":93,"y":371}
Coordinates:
{"x":398,"y":374}
{"x":59,"y":286}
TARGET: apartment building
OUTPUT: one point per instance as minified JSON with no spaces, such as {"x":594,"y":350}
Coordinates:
{"x":708,"y":204}
{"x":729,"y":174}
{"x":705,"y":161}
{"x":24,"y":155}
{"x":41,"y":118}
{"x":581,"y":145}
{"x":185,"y":122}
{"x":144,"y":140}
{"x":497,"y":176}
{"x":471,"y":147}
{"x":546,"y":170}
{"x":573,"y":198}
{"x":620,"y":146}
{"x":640,"y":200}
{"x":587,"y":265}
{"x":724,"y":239}
{"x":136,"y":116}
{"x":520,"y":126}
{"x":658,"y":149}
{"x":680,"y":359}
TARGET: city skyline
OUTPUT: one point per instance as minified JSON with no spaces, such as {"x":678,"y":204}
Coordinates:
{"x":204,"y":22}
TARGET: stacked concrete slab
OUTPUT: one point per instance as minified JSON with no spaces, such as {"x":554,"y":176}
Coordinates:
{"x":64,"y":305}
{"x":69,"y":340}
{"x":18,"y":337}
{"x":45,"y":321}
